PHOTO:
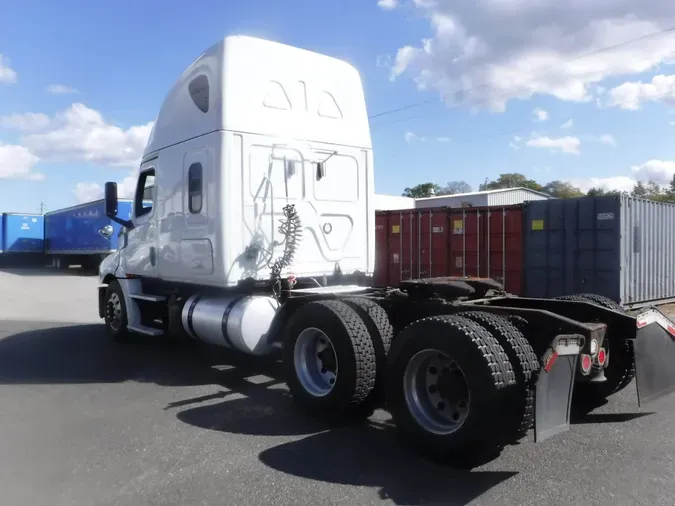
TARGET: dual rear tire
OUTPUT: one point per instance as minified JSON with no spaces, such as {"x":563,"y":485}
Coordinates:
{"x":458,"y":387}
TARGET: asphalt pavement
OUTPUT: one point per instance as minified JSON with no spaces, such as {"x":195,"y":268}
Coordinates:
{"x":84,"y":421}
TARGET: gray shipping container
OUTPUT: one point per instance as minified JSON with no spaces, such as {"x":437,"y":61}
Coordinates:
{"x":617,"y":246}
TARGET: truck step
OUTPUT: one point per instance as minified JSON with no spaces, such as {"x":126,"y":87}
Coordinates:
{"x":148,"y":331}
{"x":149,"y":298}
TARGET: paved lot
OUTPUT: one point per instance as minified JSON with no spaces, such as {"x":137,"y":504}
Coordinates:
{"x":87,"y":422}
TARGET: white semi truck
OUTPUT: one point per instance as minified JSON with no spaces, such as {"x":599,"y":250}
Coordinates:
{"x":253,"y":228}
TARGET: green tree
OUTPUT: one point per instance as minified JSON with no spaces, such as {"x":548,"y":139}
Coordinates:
{"x":599,"y":192}
{"x":562,"y":190}
{"x":455,"y":187}
{"x":512,"y":180}
{"x":422,"y":190}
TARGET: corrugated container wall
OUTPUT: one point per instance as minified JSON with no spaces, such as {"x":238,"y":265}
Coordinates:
{"x":476,"y":242}
{"x":22,"y":233}
{"x":616,"y":246}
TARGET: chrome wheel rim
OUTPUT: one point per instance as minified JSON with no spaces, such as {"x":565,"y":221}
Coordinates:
{"x":114,"y":311}
{"x":315,"y":362}
{"x":436,"y":392}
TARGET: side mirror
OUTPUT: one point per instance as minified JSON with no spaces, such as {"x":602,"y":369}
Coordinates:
{"x":111,"y":208}
{"x":111,"y":199}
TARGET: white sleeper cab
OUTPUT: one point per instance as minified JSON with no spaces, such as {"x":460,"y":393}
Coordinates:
{"x":253,"y":228}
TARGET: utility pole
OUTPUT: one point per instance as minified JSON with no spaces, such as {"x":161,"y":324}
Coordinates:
{"x":42,"y":208}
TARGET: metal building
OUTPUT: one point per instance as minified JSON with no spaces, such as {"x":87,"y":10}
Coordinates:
{"x":393,"y":202}
{"x":501,"y":197}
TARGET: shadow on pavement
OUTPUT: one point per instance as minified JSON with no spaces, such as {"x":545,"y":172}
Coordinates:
{"x":253,"y":401}
{"x":43,"y":270}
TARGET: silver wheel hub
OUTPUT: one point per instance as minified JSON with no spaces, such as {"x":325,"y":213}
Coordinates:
{"x":436,"y":392}
{"x":315,"y":362}
{"x":114,"y":311}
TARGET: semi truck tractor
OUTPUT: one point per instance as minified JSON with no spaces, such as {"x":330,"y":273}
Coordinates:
{"x":253,"y":228}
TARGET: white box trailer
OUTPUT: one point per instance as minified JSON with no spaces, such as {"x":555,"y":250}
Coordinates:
{"x":259,"y":234}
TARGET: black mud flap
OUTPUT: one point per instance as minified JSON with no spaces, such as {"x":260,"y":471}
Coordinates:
{"x":654,"y":356}
{"x":553,"y":398}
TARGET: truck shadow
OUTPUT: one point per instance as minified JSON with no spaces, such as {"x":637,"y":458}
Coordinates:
{"x":43,"y":270}
{"x":250,"y":398}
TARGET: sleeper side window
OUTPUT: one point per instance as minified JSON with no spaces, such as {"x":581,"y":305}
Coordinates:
{"x":195,"y":188}
{"x":145,"y":193}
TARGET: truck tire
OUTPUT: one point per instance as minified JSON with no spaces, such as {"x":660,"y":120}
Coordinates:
{"x":381,"y":333}
{"x":115,"y":314}
{"x":620,"y":369}
{"x":523,"y":360}
{"x":446,"y":378}
{"x":328,"y":357}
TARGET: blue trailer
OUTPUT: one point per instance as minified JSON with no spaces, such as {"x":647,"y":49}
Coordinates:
{"x":72,"y":235}
{"x":21,"y":238}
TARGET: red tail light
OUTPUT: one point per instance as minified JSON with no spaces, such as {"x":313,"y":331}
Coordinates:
{"x":586,"y":363}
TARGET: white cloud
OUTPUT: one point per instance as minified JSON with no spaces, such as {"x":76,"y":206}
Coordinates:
{"x":26,"y":122}
{"x":86,"y":192}
{"x":632,"y":94}
{"x":61,"y":89}
{"x":539,"y":114}
{"x":443,"y":139}
{"x":497,"y":50}
{"x":568,"y":124}
{"x":607,"y":139}
{"x":80,"y":134}
{"x":7,"y":74}
{"x":565,"y":144}
{"x":517,"y":138}
{"x":621,"y":183}
{"x":411,"y":137}
{"x":16,"y":162}
{"x":387,"y":4}
{"x":658,"y":171}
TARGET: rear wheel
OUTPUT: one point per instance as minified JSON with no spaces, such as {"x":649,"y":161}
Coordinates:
{"x":381,"y":333}
{"x":524,"y":361}
{"x":329,"y":360}
{"x":446,"y":377}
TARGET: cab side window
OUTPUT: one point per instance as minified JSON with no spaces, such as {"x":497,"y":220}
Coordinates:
{"x":195,"y":188}
{"x":145,"y":193}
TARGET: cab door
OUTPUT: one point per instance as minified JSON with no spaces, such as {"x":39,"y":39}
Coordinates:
{"x":141,"y":249}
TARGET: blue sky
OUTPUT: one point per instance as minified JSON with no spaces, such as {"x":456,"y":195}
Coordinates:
{"x":109,"y":65}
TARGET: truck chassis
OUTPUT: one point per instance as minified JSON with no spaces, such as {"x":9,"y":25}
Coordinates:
{"x":463,"y":367}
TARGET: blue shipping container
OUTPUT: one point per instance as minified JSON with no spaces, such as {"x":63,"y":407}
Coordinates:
{"x":22,"y":233}
{"x":74,"y":230}
{"x":617,"y":246}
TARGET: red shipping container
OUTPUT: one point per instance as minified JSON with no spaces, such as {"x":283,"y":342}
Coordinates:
{"x":435,"y":242}
{"x":381,"y":276}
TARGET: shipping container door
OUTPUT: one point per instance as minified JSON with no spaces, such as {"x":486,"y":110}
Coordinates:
{"x":468,"y":243}
{"x":572,"y":246}
{"x":504,"y":232}
{"x":434,"y":243}
{"x":409,"y":244}
{"x":597,"y":247}
{"x":394,"y":241}
{"x":381,"y":275}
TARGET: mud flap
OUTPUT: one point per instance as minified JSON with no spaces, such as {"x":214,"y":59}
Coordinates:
{"x":654,"y":348}
{"x":553,"y":397}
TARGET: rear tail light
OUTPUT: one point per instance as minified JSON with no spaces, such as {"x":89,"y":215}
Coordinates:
{"x":586,"y":363}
